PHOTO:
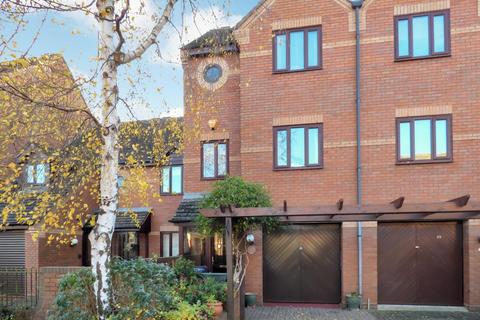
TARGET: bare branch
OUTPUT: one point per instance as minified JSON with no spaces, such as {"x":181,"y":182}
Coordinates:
{"x":152,"y":37}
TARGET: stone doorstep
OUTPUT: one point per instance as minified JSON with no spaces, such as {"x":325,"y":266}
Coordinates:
{"x":394,"y":307}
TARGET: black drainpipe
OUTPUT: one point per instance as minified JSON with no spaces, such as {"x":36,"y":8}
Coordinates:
{"x":356,"y":5}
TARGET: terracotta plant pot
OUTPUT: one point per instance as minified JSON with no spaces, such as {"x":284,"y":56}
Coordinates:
{"x":217,"y":309}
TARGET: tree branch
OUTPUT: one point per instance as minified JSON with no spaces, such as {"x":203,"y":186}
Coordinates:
{"x":152,"y":37}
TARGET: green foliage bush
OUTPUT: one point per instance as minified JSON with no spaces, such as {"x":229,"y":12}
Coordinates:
{"x":238,"y":193}
{"x":142,"y":289}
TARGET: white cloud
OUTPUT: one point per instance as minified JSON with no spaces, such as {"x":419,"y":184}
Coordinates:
{"x":194,"y":25}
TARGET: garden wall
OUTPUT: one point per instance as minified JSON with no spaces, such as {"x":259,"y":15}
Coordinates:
{"x":48,"y":286}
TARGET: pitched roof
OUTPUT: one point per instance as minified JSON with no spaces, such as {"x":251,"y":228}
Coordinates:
{"x":188,"y":209}
{"x":12,"y":219}
{"x":214,"y":41}
{"x":142,"y":146}
{"x":139,"y":221}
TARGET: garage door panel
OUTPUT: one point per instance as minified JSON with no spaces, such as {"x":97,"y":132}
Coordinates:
{"x":12,"y":248}
{"x":308,"y":269}
{"x":396,"y":264}
{"x":322,"y":242}
{"x":281,"y":262}
{"x":420,"y":263}
{"x":440,"y":264}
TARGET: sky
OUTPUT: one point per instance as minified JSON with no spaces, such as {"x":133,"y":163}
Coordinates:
{"x":151,"y":87}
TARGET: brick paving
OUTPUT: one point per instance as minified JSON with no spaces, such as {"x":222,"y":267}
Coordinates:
{"x":289,"y":313}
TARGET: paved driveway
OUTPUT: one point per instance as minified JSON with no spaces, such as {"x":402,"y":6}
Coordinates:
{"x":288,"y":313}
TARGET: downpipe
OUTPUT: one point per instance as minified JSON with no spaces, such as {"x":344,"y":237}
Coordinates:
{"x":357,"y":5}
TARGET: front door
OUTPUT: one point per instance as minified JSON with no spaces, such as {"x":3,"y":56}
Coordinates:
{"x":302,"y":264}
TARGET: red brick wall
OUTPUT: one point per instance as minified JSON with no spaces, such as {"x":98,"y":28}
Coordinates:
{"x":48,"y":287}
{"x":252,"y":102}
{"x":163,"y":208}
{"x":471,"y":234}
{"x":222,"y":104}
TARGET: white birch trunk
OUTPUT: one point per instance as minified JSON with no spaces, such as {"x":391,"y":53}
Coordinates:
{"x":101,"y":236}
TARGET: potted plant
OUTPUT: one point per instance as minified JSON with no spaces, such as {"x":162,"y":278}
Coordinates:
{"x":250,"y":299}
{"x":354,"y":300}
{"x":216,"y":306}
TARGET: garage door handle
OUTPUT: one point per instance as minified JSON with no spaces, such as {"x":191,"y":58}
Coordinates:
{"x":417,"y":247}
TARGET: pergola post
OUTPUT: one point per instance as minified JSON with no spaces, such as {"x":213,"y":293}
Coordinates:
{"x":230,"y":289}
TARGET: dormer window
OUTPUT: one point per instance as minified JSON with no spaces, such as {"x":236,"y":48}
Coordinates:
{"x":37,"y":174}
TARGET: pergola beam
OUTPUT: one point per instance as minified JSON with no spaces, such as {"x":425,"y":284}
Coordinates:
{"x":328,"y":210}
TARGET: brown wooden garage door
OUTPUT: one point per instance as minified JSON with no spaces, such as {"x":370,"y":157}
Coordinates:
{"x":420,"y":263}
{"x":302,"y":264}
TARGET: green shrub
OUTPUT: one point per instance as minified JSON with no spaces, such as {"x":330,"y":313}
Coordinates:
{"x":16,"y":312}
{"x":142,"y":289}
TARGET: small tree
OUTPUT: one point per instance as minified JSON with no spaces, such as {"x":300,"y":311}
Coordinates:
{"x":236,"y":192}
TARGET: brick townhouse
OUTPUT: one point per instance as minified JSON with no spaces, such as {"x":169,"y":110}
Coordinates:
{"x":278,"y":94}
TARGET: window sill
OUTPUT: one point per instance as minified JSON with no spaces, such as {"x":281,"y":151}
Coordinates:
{"x":212,"y":179}
{"x":444,"y":55}
{"x":296,"y":71}
{"x":412,"y":162}
{"x":298,"y":169}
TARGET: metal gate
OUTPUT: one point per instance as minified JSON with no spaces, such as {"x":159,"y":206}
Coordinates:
{"x":302,"y":264}
{"x":420,"y":263}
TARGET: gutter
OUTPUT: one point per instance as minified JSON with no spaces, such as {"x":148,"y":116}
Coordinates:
{"x":357,"y":5}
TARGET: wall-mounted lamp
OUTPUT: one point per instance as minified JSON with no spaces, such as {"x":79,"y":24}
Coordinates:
{"x":213,"y":123}
{"x":250,"y":239}
{"x":73,"y":242}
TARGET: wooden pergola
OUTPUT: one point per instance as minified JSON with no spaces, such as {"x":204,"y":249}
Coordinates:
{"x":461,"y":208}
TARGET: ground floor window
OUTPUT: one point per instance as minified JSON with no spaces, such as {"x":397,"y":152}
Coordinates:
{"x":125,"y":245}
{"x":194,"y":246}
{"x":170,"y":244}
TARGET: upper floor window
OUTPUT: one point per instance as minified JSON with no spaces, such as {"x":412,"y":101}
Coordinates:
{"x":214,"y":159}
{"x":172,"y":180}
{"x":422,"y":35}
{"x":298,"y":146}
{"x":298,"y":49}
{"x":424,"y":139}
{"x":36,"y":174}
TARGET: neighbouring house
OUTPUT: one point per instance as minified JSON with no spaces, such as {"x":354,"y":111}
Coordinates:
{"x":35,"y":148}
{"x":396,"y":217}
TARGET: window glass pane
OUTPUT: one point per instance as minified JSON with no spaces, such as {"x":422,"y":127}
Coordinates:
{"x":297,"y":147}
{"x":166,"y":245}
{"x":222,"y":159}
{"x":281,"y":50}
{"x":405,"y":150}
{"x":30,"y":174}
{"x":297,"y":50}
{"x":313,"y":48}
{"x":421,"y":37}
{"x":281,"y":148}
{"x":166,"y":179}
{"x":177,"y":179}
{"x":120,"y":181}
{"x":40,"y":173}
{"x":313,"y":146}
{"x":175,"y":244}
{"x":403,"y":43}
{"x":209,"y":160}
{"x":441,"y":138}
{"x":439,"y":33}
{"x":423,"y":140}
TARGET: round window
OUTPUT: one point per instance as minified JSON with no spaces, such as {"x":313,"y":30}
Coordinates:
{"x":212,"y":73}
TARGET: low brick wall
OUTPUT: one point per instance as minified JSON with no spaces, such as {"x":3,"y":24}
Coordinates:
{"x":48,"y":278}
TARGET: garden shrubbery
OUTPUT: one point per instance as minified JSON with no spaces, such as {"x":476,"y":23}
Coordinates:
{"x":142,"y":289}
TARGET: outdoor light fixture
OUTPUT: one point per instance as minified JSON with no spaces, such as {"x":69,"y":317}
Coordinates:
{"x":250,"y":239}
{"x":213,"y":123}
{"x":73,"y":242}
